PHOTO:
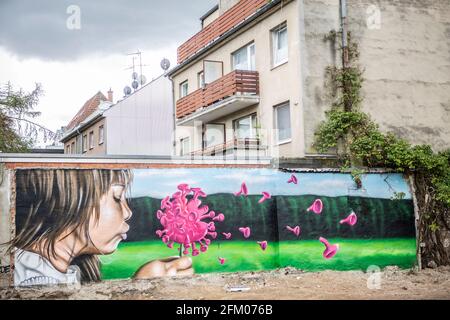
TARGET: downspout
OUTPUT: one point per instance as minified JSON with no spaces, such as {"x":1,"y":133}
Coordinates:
{"x":174,"y":116}
{"x":344,"y":26}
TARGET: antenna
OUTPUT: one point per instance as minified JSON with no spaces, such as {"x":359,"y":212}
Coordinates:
{"x":138,"y":79}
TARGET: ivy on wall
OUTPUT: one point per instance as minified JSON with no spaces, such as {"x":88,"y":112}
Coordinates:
{"x":358,"y":142}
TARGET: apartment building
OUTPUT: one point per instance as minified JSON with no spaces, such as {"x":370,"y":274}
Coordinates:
{"x":237,"y":85}
{"x":85,"y":133}
{"x":252,"y":81}
{"x":141,"y":124}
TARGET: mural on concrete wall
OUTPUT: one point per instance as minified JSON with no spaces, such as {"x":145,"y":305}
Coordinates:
{"x":107,"y":224}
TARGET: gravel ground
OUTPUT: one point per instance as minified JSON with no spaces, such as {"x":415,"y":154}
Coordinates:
{"x":287,"y":283}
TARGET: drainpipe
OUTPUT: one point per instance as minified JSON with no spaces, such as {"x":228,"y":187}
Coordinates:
{"x":174,"y":107}
{"x":344,"y":26}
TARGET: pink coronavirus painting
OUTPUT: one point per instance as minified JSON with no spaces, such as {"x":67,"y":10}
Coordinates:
{"x":316,"y":207}
{"x":245,"y":231}
{"x":182,"y":217}
{"x":227,"y":235}
{"x":293,"y":179}
{"x":263,"y":245}
{"x":350,"y":220}
{"x":330,"y":249}
{"x":243,"y":191}
{"x":265,"y":196}
{"x":295,"y":230}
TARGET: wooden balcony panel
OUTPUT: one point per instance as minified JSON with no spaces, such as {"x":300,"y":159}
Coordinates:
{"x":236,"y":82}
{"x":231,"y":18}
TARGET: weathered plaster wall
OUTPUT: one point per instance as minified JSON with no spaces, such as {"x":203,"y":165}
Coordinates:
{"x":406,"y":62}
{"x":5,"y":224}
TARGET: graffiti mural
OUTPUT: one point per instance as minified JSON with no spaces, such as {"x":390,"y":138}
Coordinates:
{"x":75,"y":225}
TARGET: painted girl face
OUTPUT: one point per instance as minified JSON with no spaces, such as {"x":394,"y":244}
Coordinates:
{"x":111,"y":227}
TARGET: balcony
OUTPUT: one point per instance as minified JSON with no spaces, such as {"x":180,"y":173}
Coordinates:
{"x":230,"y":19}
{"x":236,"y":147}
{"x":234,"y":91}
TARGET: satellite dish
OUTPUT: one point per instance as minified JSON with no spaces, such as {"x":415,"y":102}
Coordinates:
{"x":134,"y":75}
{"x":135,"y":84}
{"x":127,"y":90}
{"x":142,"y":80}
{"x":165,"y":64}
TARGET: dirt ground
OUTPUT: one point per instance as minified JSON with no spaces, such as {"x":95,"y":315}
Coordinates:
{"x":284,"y":283}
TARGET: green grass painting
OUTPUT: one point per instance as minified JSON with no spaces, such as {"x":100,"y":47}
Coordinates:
{"x":354,"y":254}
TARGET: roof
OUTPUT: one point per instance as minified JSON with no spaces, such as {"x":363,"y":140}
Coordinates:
{"x":88,"y":108}
{"x":263,"y":10}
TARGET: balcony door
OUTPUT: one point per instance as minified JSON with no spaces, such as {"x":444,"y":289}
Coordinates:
{"x":213,"y":134}
{"x":212,"y":70}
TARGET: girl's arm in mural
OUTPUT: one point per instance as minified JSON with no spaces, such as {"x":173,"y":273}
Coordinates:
{"x":173,"y":266}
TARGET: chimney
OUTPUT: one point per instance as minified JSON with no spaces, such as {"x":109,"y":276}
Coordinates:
{"x":110,"y":95}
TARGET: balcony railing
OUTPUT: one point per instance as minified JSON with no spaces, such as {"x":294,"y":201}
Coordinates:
{"x":231,"y":18}
{"x":236,"y":82}
{"x":235,"y":144}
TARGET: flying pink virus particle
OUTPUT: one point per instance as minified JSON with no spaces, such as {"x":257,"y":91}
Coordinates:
{"x":293,"y":179}
{"x":265,"y":197}
{"x":182,"y":223}
{"x":330,"y":249}
{"x":295,"y":230}
{"x":350,"y":220}
{"x":263,"y":245}
{"x":227,"y":235}
{"x":245,"y":231}
{"x":243,"y":191}
{"x":222,"y":260}
{"x":316,"y":207}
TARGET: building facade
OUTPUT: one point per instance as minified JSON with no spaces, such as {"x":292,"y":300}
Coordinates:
{"x":140,"y":124}
{"x":252,"y":80}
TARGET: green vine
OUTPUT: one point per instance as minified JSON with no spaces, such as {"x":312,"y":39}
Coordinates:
{"x":358,"y":141}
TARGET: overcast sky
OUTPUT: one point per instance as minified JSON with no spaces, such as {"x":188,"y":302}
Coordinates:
{"x":72,"y":64}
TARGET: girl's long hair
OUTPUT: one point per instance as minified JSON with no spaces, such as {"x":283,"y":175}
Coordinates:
{"x":49,"y":203}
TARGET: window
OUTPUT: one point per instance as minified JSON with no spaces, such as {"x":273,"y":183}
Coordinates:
{"x":213,"y":70}
{"x":72,"y":148}
{"x":201,"y":79}
{"x":279,"y":45}
{"x":91,"y":140}
{"x":213,"y":135}
{"x":246,"y":127}
{"x":79,"y":149}
{"x":244,"y":58}
{"x":68,"y":149}
{"x":184,"y":89}
{"x":101,"y":133}
{"x":185,"y":146}
{"x":283,"y":123}
{"x":85,"y":143}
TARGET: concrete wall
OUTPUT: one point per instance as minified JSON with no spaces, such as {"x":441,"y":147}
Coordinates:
{"x":5,"y":224}
{"x":277,"y":85}
{"x":321,"y":206}
{"x":406,"y":60}
{"x":143,"y":123}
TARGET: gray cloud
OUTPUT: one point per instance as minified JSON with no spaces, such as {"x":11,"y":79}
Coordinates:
{"x":38,"y":28}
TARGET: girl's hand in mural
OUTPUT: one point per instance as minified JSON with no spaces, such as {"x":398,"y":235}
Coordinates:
{"x":173,"y":266}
